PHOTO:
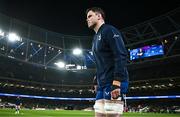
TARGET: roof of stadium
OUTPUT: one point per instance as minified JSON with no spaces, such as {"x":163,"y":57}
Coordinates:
{"x":68,"y":16}
{"x":36,"y":51}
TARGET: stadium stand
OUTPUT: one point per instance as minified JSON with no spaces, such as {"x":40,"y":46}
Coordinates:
{"x":27,"y":66}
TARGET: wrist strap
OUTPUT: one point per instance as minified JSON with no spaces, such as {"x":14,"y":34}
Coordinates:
{"x":113,"y":87}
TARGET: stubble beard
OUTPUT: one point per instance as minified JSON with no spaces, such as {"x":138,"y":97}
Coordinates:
{"x":92,"y":26}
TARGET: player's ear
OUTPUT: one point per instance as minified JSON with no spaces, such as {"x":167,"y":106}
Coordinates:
{"x":99,"y":15}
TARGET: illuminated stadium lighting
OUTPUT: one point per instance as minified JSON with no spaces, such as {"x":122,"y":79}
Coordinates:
{"x":165,"y":41}
{"x":39,"y":45}
{"x":70,"y":65}
{"x":84,"y":67}
{"x":1,"y":33}
{"x":156,"y":86}
{"x":60,"y":64}
{"x":78,"y":67}
{"x":149,"y":86}
{"x":22,"y":85}
{"x":170,"y":84}
{"x":77,"y":51}
{"x":176,"y":37}
{"x":12,"y":37}
{"x":59,"y":51}
{"x":163,"y":85}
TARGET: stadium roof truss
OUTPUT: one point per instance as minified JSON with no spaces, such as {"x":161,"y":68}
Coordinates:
{"x":42,"y":47}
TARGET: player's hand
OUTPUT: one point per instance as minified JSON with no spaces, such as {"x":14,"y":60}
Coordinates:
{"x":115,"y":89}
{"x":115,"y":93}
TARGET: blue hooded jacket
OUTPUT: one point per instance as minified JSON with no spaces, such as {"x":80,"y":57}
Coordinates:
{"x":110,"y":57}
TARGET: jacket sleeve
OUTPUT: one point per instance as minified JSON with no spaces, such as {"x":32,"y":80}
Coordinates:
{"x":120,"y":54}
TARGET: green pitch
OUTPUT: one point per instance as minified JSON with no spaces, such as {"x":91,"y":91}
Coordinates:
{"x":73,"y":113}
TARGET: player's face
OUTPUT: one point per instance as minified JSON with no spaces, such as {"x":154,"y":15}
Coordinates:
{"x":92,"y":19}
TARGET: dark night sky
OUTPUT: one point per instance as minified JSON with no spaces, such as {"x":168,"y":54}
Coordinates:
{"x":68,"y":16}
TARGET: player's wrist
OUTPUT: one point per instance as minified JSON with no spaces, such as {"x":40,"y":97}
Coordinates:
{"x":114,"y":87}
{"x":116,"y":83}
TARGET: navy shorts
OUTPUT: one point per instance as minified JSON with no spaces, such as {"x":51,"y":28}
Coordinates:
{"x":105,"y":92}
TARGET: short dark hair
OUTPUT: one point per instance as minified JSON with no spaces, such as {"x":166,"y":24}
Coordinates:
{"x":96,"y":9}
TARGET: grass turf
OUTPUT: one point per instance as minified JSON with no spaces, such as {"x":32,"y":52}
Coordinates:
{"x":69,"y":113}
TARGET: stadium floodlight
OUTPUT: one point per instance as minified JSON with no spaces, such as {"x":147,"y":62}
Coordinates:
{"x":70,"y":65}
{"x":1,"y":33}
{"x":60,"y":64}
{"x":78,"y":67}
{"x":77,"y":51}
{"x":12,"y":37}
